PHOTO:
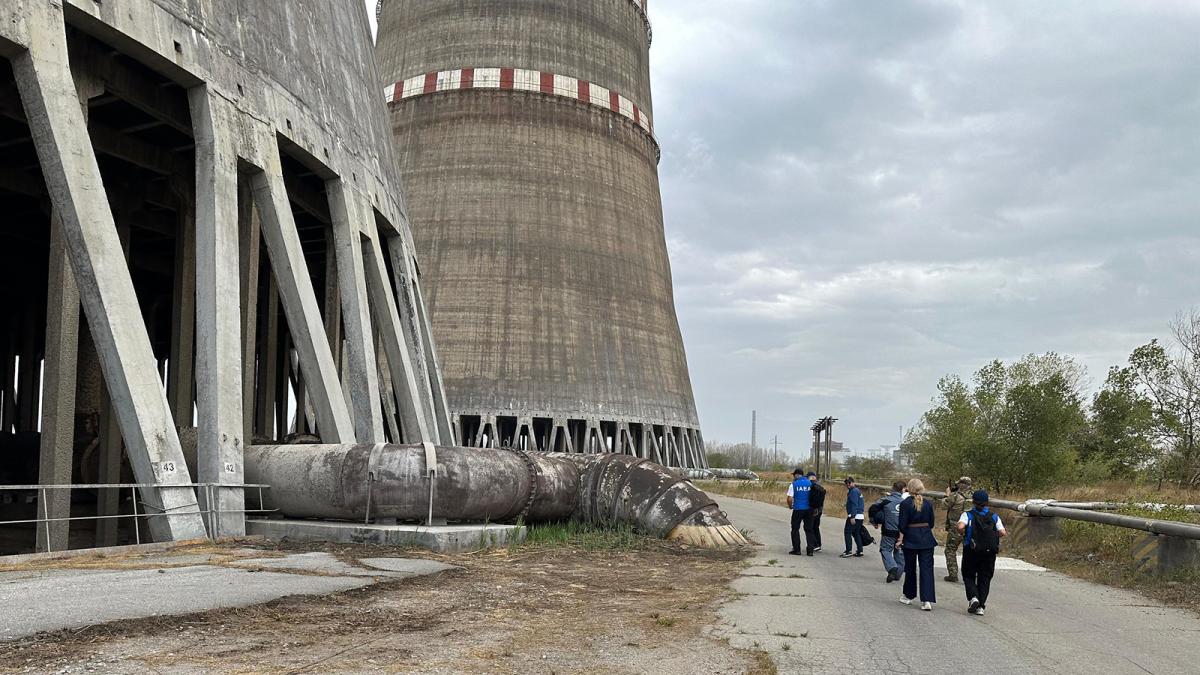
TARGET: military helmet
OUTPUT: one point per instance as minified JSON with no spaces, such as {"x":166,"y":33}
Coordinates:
{"x":965,"y":480}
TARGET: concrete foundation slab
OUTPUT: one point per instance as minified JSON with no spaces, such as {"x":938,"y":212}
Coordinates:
{"x":409,"y":567}
{"x":65,"y":600}
{"x":444,"y":539}
{"x":317,"y":562}
{"x":320,"y":562}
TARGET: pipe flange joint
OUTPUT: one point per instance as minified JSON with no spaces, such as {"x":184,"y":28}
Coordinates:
{"x":531,"y":467}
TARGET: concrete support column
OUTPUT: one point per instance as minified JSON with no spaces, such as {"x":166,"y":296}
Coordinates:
{"x":182,"y":368}
{"x":411,"y":402}
{"x":72,"y":176}
{"x":560,"y":432}
{"x":217,"y":284}
{"x":407,"y":277}
{"x":108,"y":500}
{"x":268,"y":362}
{"x":9,"y":409}
{"x":299,"y":299}
{"x":58,"y":398}
{"x":387,"y":393}
{"x":29,"y":375}
{"x":350,"y":215}
{"x":248,"y":256}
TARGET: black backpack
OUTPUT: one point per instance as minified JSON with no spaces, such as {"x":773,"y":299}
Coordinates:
{"x":985,"y":538}
{"x":875,"y":512}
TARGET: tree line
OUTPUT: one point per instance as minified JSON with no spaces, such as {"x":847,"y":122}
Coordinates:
{"x":745,"y":456}
{"x":1029,"y":424}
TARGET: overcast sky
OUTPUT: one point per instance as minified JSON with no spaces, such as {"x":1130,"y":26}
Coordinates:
{"x":861,"y":197}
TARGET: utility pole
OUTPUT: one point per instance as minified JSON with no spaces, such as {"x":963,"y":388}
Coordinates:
{"x":775,"y":442}
{"x":753,"y":429}
{"x":825,"y":424}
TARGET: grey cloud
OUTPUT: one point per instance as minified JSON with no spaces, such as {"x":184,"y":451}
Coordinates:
{"x":861,"y":197}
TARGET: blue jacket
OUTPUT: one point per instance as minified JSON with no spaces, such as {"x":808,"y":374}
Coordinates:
{"x":801,"y":487}
{"x":917,"y":527}
{"x":854,"y":502}
{"x":891,"y":511}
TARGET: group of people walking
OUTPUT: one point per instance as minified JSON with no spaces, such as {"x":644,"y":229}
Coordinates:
{"x":907,"y":519}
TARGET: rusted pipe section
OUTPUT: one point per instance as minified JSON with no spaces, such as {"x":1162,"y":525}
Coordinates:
{"x":356,"y":482}
{"x":623,"y":489}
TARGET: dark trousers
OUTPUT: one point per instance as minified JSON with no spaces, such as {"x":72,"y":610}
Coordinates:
{"x":801,"y":518}
{"x":853,"y":534}
{"x":923,"y":558}
{"x":816,"y":529}
{"x":977,"y":571}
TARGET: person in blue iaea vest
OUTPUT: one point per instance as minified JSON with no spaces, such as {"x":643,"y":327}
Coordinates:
{"x":798,"y":494}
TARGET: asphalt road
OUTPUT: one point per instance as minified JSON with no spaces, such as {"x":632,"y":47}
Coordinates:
{"x":826,"y":614}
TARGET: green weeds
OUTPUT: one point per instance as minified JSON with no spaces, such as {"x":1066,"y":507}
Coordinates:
{"x":587,"y":536}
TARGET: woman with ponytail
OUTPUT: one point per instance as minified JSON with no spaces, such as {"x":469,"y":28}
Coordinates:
{"x":916,"y":537}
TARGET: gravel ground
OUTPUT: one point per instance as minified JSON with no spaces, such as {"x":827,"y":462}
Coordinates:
{"x":533,"y":609}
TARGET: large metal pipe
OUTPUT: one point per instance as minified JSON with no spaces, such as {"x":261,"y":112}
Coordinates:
{"x":1117,"y":506}
{"x":1168,"y":527}
{"x":356,"y":482}
{"x":1050,"y":509}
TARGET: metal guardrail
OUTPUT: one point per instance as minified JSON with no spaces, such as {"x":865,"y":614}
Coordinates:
{"x":212,"y":516}
{"x":1048,"y":509}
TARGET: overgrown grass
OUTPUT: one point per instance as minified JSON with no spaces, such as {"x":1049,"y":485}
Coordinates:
{"x":587,"y":536}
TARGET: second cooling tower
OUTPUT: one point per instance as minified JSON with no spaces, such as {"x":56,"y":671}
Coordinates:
{"x":525,"y":135}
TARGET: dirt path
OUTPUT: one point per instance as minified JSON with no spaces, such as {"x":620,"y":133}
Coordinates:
{"x":549,"y":609}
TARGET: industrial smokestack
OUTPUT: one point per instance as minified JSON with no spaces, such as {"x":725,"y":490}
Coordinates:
{"x":526,"y":143}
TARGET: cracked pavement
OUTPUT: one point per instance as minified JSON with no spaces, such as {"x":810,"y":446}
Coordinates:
{"x":826,"y":614}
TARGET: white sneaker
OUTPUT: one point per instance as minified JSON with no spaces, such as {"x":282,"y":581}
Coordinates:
{"x":906,"y":601}
{"x":979,"y":612}
{"x":973,"y":606}
{"x":926,"y":606}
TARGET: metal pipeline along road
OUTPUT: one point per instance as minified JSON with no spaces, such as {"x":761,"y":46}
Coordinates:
{"x":1051,"y":509}
{"x":438,"y":483}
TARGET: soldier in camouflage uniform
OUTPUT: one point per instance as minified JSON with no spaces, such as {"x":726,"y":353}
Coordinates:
{"x":956,"y":502}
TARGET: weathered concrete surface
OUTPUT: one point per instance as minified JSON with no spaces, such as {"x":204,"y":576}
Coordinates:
{"x":54,"y":599}
{"x":320,"y":562}
{"x":283,"y":96}
{"x":67,"y":599}
{"x":538,"y":222}
{"x":837,"y":615}
{"x":443,"y":539}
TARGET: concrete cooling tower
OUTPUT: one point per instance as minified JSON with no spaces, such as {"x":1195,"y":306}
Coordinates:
{"x":204,"y":247}
{"x":525,"y":137}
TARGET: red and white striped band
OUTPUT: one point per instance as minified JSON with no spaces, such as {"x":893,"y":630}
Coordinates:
{"x":521,"y":80}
